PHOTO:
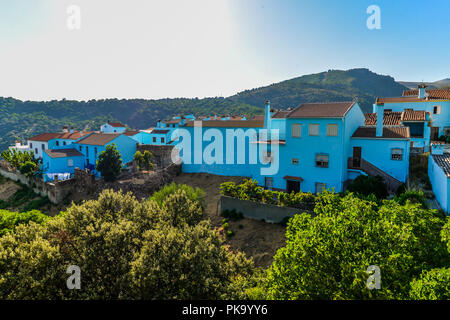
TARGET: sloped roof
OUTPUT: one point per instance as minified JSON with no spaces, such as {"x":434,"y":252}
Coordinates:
{"x":388,"y":133}
{"x":230,"y":124}
{"x":443,"y":161}
{"x":63,"y":153}
{"x":130,"y":133}
{"x":395,"y":118}
{"x":280,"y":114}
{"x":160,"y":131}
{"x":321,"y":110}
{"x":64,"y":135}
{"x":414,"y":115}
{"x":116,"y":124}
{"x":443,"y":94}
{"x":99,"y":139}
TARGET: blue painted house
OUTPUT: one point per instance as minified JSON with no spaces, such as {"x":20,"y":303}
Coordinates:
{"x":61,"y":162}
{"x":434,"y":102}
{"x":112,"y":127}
{"x":439,"y":174}
{"x":95,"y":143}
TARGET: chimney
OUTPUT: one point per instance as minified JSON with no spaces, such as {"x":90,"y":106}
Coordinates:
{"x":380,"y":119}
{"x":65,"y":129}
{"x":158,"y":123}
{"x":17,"y":143}
{"x":71,"y":129}
{"x":422,"y":91}
{"x":267,"y":117}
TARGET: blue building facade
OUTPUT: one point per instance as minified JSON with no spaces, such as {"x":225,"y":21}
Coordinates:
{"x":439,"y":174}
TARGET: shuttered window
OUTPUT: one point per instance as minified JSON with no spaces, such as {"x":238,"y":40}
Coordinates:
{"x":320,"y":187}
{"x":397,"y":154}
{"x":296,"y":130}
{"x":332,"y":130}
{"x":313,"y":129}
{"x":322,"y":160}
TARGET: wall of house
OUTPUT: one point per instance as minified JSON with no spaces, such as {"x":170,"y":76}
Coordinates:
{"x":378,"y":152}
{"x":305,"y":149}
{"x":107,"y":128}
{"x":61,"y":165}
{"x":441,"y":120}
{"x":440,"y":184}
{"x":38,"y":148}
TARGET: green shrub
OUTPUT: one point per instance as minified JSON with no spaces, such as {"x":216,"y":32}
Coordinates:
{"x":414,"y":196}
{"x":232,"y":215}
{"x":366,"y":185}
{"x":230,"y":233}
{"x":10,"y":220}
{"x":28,"y":168}
{"x":196,"y":194}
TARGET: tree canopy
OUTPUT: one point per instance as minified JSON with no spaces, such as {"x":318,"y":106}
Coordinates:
{"x":109,"y":163}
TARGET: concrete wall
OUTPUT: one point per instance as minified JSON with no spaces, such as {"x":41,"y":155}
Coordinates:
{"x":258,"y":211}
{"x":440,"y":184}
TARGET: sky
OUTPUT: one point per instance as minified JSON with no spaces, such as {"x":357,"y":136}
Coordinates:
{"x":205,"y":48}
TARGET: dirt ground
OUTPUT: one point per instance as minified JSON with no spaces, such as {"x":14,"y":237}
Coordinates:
{"x":257,"y":239}
{"x":7,"y":189}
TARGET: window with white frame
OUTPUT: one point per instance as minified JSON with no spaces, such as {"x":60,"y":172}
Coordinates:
{"x":447,"y":131}
{"x":295,"y":161}
{"x":70,"y":162}
{"x":296,"y":130}
{"x":322,"y":160}
{"x":313,"y":129}
{"x":320,"y":187}
{"x":397,"y":154}
{"x":332,"y":130}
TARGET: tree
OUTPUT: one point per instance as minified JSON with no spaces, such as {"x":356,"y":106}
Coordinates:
{"x":144,"y":161}
{"x":109,"y":163}
{"x":327,"y":256}
{"x":196,"y":194}
{"x":18,"y":158}
{"x":125,"y":249}
{"x":28,"y":168}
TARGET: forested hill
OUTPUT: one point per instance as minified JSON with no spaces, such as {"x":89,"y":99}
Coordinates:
{"x":22,"y":119}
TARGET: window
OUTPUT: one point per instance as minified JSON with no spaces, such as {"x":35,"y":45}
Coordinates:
{"x":57,"y":143}
{"x":332,"y":130}
{"x":80,"y":148}
{"x":267,"y":156}
{"x":95,"y":152}
{"x":70,"y":162}
{"x":295,"y":161}
{"x":31,"y":146}
{"x":447,"y":131}
{"x":397,"y":154}
{"x":436,"y":109}
{"x":268,"y":182}
{"x":154,"y":139}
{"x":320,"y":187}
{"x":36,"y":150}
{"x":64,"y":143}
{"x":296,"y":130}
{"x":43,"y":146}
{"x":322,"y":160}
{"x":313,"y":129}
{"x":162,"y":140}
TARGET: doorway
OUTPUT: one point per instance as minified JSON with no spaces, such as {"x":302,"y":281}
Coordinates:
{"x":356,"y":162}
{"x":434,"y":133}
{"x":292,"y":185}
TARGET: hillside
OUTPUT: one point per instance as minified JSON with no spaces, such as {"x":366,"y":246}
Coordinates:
{"x":432,"y":85}
{"x":22,"y":119}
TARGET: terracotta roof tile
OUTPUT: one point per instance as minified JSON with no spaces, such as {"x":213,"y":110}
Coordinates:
{"x":65,"y":135}
{"x":130,"y":133}
{"x":45,"y":137}
{"x":443,"y":161}
{"x":414,"y":115}
{"x":99,"y":139}
{"x":230,"y":124}
{"x":321,"y":110}
{"x":160,"y":131}
{"x":116,"y":124}
{"x":280,"y":114}
{"x":443,"y":94}
{"x":63,"y":153}
{"x":388,"y":133}
{"x":389,"y":119}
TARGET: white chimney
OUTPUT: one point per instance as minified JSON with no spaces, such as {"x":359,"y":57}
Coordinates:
{"x":71,"y":129}
{"x":65,"y":129}
{"x":380,"y":119}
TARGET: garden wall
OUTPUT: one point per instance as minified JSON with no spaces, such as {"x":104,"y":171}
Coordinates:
{"x":258,"y":211}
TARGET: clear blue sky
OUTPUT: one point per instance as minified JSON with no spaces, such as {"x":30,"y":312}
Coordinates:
{"x":197,"y":48}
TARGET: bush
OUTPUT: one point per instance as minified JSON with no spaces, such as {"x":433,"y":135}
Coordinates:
{"x":28,"y":168}
{"x":196,"y":194}
{"x":232,"y":215}
{"x":144,"y":160}
{"x":366,"y":185}
{"x":10,"y":220}
{"x":414,"y":196}
{"x":18,"y":158}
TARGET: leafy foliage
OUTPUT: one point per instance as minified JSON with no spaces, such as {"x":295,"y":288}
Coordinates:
{"x":326,"y":256}
{"x":250,"y":190}
{"x":109,"y":163}
{"x":414,"y":196}
{"x":161,"y":195}
{"x":22,"y":160}
{"x":126,"y":249}
{"x":144,"y":160}
{"x":367,"y":185}
{"x":10,"y":220}
{"x":432,"y":285}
